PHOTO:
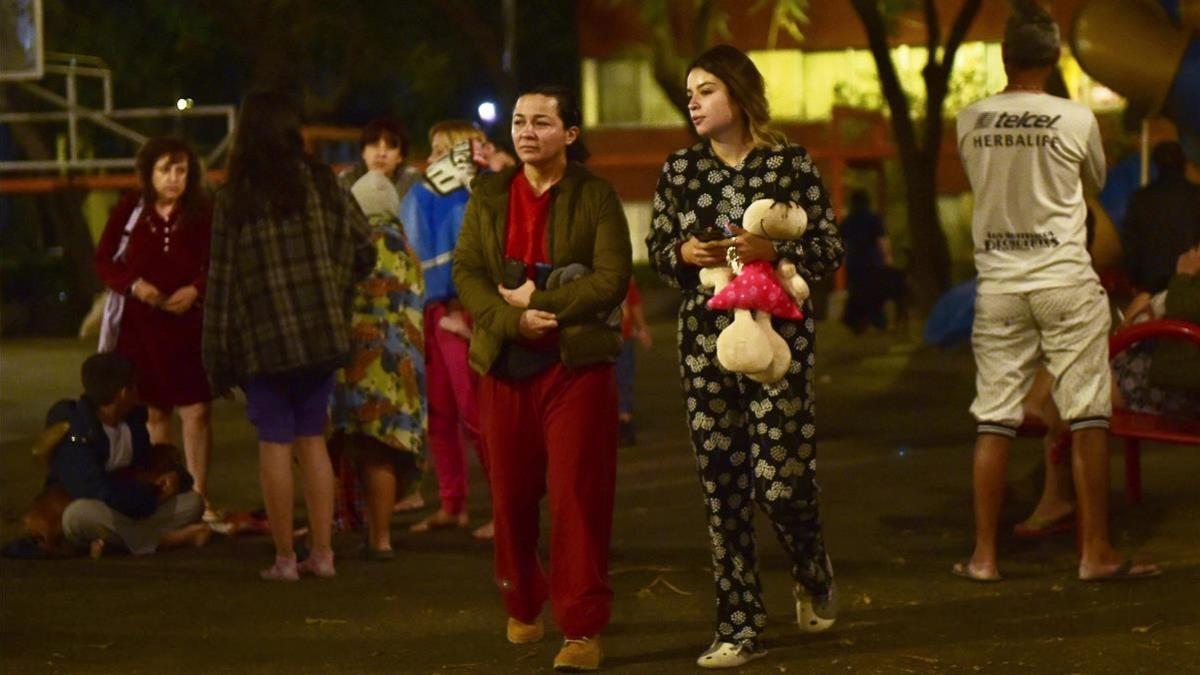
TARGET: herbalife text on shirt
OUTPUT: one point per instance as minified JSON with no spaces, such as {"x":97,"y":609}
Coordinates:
{"x":1022,"y":120}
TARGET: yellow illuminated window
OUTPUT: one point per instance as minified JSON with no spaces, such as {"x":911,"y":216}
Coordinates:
{"x":623,"y":92}
{"x":805,"y":86}
{"x":783,"y":73}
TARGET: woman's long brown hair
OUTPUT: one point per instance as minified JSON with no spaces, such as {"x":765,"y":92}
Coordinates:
{"x":746,"y":90}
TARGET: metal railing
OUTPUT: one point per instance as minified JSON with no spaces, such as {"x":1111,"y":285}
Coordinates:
{"x":73,"y":67}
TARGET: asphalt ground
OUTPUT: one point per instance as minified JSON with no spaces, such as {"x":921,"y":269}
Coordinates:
{"x":895,"y":472}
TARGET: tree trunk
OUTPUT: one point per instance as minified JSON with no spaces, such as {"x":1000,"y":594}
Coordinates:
{"x":670,"y":68}
{"x":929,"y":271}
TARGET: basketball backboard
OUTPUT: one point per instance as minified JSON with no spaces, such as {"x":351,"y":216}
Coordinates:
{"x":21,"y":48}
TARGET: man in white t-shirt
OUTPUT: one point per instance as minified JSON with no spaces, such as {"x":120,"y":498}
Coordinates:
{"x":1027,"y":154}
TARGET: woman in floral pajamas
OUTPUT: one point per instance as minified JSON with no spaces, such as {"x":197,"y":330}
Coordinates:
{"x":754,"y":443}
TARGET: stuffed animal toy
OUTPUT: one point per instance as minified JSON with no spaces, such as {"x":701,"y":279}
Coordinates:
{"x":793,"y":283}
{"x":773,"y":220}
{"x":756,"y":292}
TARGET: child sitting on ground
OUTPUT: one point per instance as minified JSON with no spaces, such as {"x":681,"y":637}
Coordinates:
{"x":117,"y":488}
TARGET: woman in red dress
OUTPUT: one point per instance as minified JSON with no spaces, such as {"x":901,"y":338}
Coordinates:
{"x":163,"y":272}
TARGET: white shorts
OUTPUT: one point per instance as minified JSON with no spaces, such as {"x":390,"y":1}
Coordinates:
{"x":1066,"y":329}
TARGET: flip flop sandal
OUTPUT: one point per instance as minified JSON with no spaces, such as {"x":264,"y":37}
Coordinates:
{"x":433,"y":523}
{"x":485,"y":532}
{"x":962,"y":569}
{"x":409,"y":503}
{"x":1126,"y":571}
{"x":1032,"y":528}
{"x":378,"y":554}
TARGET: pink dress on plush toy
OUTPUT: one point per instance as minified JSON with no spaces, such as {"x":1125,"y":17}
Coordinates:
{"x":757,"y":288}
{"x":750,"y":344}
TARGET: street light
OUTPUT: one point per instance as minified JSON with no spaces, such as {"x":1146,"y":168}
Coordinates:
{"x":487,"y":112}
{"x":184,"y":104}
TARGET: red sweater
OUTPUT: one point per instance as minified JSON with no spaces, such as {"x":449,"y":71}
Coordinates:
{"x":528,"y":214}
{"x":527,"y":217}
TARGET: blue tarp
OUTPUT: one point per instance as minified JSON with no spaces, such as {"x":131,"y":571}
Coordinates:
{"x":949,"y":323}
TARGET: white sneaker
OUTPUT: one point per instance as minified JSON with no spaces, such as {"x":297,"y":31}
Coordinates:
{"x":816,"y":614}
{"x":729,"y":655}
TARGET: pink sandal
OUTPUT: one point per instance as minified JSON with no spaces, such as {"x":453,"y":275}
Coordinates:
{"x":284,"y":569}
{"x":319,"y":564}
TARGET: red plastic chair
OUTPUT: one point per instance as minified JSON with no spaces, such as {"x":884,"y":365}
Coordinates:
{"x":1135,"y":427}
{"x":1130,"y":426}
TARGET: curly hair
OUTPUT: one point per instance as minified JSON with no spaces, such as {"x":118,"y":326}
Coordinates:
{"x":193,"y":198}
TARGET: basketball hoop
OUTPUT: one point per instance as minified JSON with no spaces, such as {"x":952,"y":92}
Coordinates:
{"x":21,"y":53}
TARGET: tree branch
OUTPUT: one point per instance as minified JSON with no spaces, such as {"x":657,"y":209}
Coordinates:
{"x":933,"y":30}
{"x":704,"y":18}
{"x":937,"y":84}
{"x":889,"y":81}
{"x":966,"y":16}
{"x":668,"y":68}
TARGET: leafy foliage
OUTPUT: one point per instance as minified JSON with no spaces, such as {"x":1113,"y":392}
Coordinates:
{"x":788,"y":15}
{"x":681,"y":29}
{"x":968,"y":83}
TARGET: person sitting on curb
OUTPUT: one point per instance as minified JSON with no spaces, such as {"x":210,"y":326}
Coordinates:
{"x":104,"y":447}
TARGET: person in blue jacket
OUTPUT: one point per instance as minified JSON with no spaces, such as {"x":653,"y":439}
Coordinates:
{"x":120,"y":495}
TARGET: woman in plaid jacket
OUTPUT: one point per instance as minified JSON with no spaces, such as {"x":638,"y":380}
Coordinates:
{"x":289,"y":244}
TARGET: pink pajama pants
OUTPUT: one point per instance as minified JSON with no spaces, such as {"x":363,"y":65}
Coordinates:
{"x":451,"y":392}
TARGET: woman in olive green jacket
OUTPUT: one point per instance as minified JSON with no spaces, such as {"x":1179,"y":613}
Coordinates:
{"x":586,"y":226}
{"x":542,"y":262}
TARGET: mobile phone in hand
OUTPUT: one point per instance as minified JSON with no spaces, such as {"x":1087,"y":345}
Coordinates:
{"x":709,"y":234}
{"x":514,"y":273}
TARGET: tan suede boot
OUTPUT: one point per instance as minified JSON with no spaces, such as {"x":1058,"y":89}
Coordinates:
{"x":579,"y":656}
{"x":525,"y":633}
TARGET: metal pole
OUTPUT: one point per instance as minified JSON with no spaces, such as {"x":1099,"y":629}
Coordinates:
{"x":72,"y":121}
{"x":92,"y":115}
{"x":508,"y":59}
{"x":216,"y":152}
{"x":78,"y":70}
{"x":50,"y":164}
{"x":106,"y":82}
{"x":172,"y":111}
{"x":132,"y":113}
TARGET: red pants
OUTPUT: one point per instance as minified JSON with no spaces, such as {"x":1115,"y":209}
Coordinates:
{"x":556,"y":430}
{"x":451,"y":392}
